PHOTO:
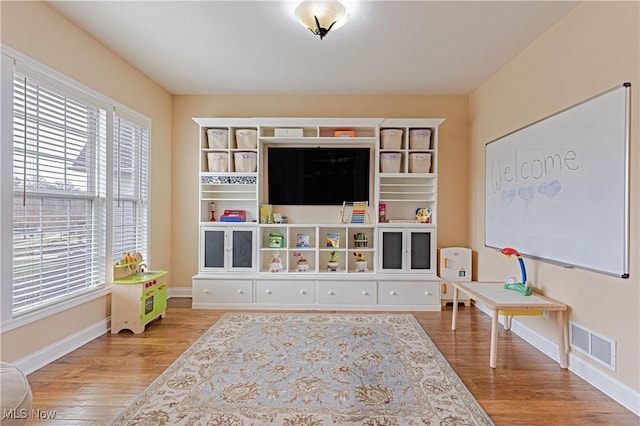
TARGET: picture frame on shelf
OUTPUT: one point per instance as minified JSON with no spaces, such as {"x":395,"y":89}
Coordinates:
{"x":302,"y":240}
{"x":333,"y":240}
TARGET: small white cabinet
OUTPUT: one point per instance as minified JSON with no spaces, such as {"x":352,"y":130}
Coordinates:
{"x":227,"y":248}
{"x":407,"y":249}
{"x":455,"y":266}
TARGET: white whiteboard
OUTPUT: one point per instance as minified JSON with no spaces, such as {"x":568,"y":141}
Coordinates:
{"x":557,"y":189}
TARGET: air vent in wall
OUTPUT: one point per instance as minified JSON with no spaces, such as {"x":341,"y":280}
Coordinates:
{"x":597,"y":347}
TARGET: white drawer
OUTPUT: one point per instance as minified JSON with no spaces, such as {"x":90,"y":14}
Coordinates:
{"x":408,"y":293}
{"x":222,"y":291}
{"x":285,"y":292}
{"x":347,"y":292}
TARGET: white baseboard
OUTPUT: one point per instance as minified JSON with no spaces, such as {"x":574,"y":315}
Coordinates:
{"x":179,"y":292}
{"x":39,"y":359}
{"x":47,"y":355}
{"x":619,"y":392}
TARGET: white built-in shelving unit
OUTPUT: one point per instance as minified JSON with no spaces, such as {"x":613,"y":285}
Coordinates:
{"x":236,"y":267}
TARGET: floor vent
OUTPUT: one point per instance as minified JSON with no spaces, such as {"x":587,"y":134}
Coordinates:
{"x":597,"y":347}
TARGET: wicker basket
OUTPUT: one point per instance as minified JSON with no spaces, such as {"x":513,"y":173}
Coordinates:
{"x":390,"y":138}
{"x":217,"y":138}
{"x":246,"y":138}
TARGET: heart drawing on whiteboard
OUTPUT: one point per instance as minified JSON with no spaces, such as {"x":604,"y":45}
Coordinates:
{"x":550,"y":189}
{"x":526,"y":193}
{"x":508,"y":195}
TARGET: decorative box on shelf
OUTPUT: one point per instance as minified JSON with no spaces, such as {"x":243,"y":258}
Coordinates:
{"x":344,"y":133}
{"x":288,"y":133}
{"x":234,"y":216}
{"x":360,"y":240}
{"x":276,"y":240}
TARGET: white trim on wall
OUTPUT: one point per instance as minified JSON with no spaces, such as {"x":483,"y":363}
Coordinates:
{"x":47,"y":355}
{"x":179,"y":292}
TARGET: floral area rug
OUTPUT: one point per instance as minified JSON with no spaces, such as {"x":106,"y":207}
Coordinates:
{"x":312,"y":370}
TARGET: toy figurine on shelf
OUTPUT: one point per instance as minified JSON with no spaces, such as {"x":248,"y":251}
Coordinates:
{"x":276,"y":262}
{"x":361,"y":262}
{"x":332,"y":264}
{"x":212,"y":211}
{"x":523,"y":286}
{"x":302,"y":264}
{"x":423,"y":215}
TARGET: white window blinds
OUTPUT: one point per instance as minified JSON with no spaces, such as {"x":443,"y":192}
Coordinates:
{"x":130,"y":187}
{"x":59,"y":195}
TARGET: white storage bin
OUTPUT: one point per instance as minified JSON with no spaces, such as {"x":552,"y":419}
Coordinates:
{"x":247,"y":138}
{"x":419,"y":162}
{"x":218,"y":138}
{"x":419,"y":138}
{"x":217,"y":162}
{"x":390,"y":138}
{"x":245,"y":161}
{"x":390,"y":162}
{"x":288,"y":133}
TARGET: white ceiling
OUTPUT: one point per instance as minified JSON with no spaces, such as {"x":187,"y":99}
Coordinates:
{"x":256,"y":47}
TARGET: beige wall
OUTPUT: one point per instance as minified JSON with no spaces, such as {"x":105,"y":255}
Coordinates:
{"x":596,"y":47}
{"x":452,"y":154}
{"x":36,"y":30}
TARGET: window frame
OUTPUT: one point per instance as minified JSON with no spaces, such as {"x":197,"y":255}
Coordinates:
{"x":11,"y":60}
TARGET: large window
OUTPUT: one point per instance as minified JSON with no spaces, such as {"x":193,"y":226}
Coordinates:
{"x":80,"y":189}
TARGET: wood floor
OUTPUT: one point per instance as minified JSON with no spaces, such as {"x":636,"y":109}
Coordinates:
{"x":91,"y":385}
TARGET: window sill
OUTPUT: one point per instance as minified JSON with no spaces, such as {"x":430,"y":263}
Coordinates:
{"x":39,"y":315}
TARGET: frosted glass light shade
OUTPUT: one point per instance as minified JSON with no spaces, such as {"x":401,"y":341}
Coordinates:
{"x":327,"y":12}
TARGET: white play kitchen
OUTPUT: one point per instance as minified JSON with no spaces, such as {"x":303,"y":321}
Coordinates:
{"x":138,"y":296}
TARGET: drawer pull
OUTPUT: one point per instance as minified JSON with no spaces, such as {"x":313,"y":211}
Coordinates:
{"x":206,"y":291}
{"x":393,"y":293}
{"x":365,"y":293}
{"x":330,"y":293}
{"x":268,"y":291}
{"x":426,"y":293}
{"x":240,"y":292}
{"x":303,"y":292}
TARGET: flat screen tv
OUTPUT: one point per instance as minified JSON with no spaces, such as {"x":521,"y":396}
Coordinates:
{"x":317,"y":176}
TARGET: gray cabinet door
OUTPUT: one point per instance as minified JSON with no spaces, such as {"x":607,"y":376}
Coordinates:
{"x":214,"y":248}
{"x":392,"y":250}
{"x":242,"y":249}
{"x":420,"y":249}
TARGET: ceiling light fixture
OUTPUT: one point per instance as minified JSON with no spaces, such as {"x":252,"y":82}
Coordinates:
{"x":320,"y":17}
